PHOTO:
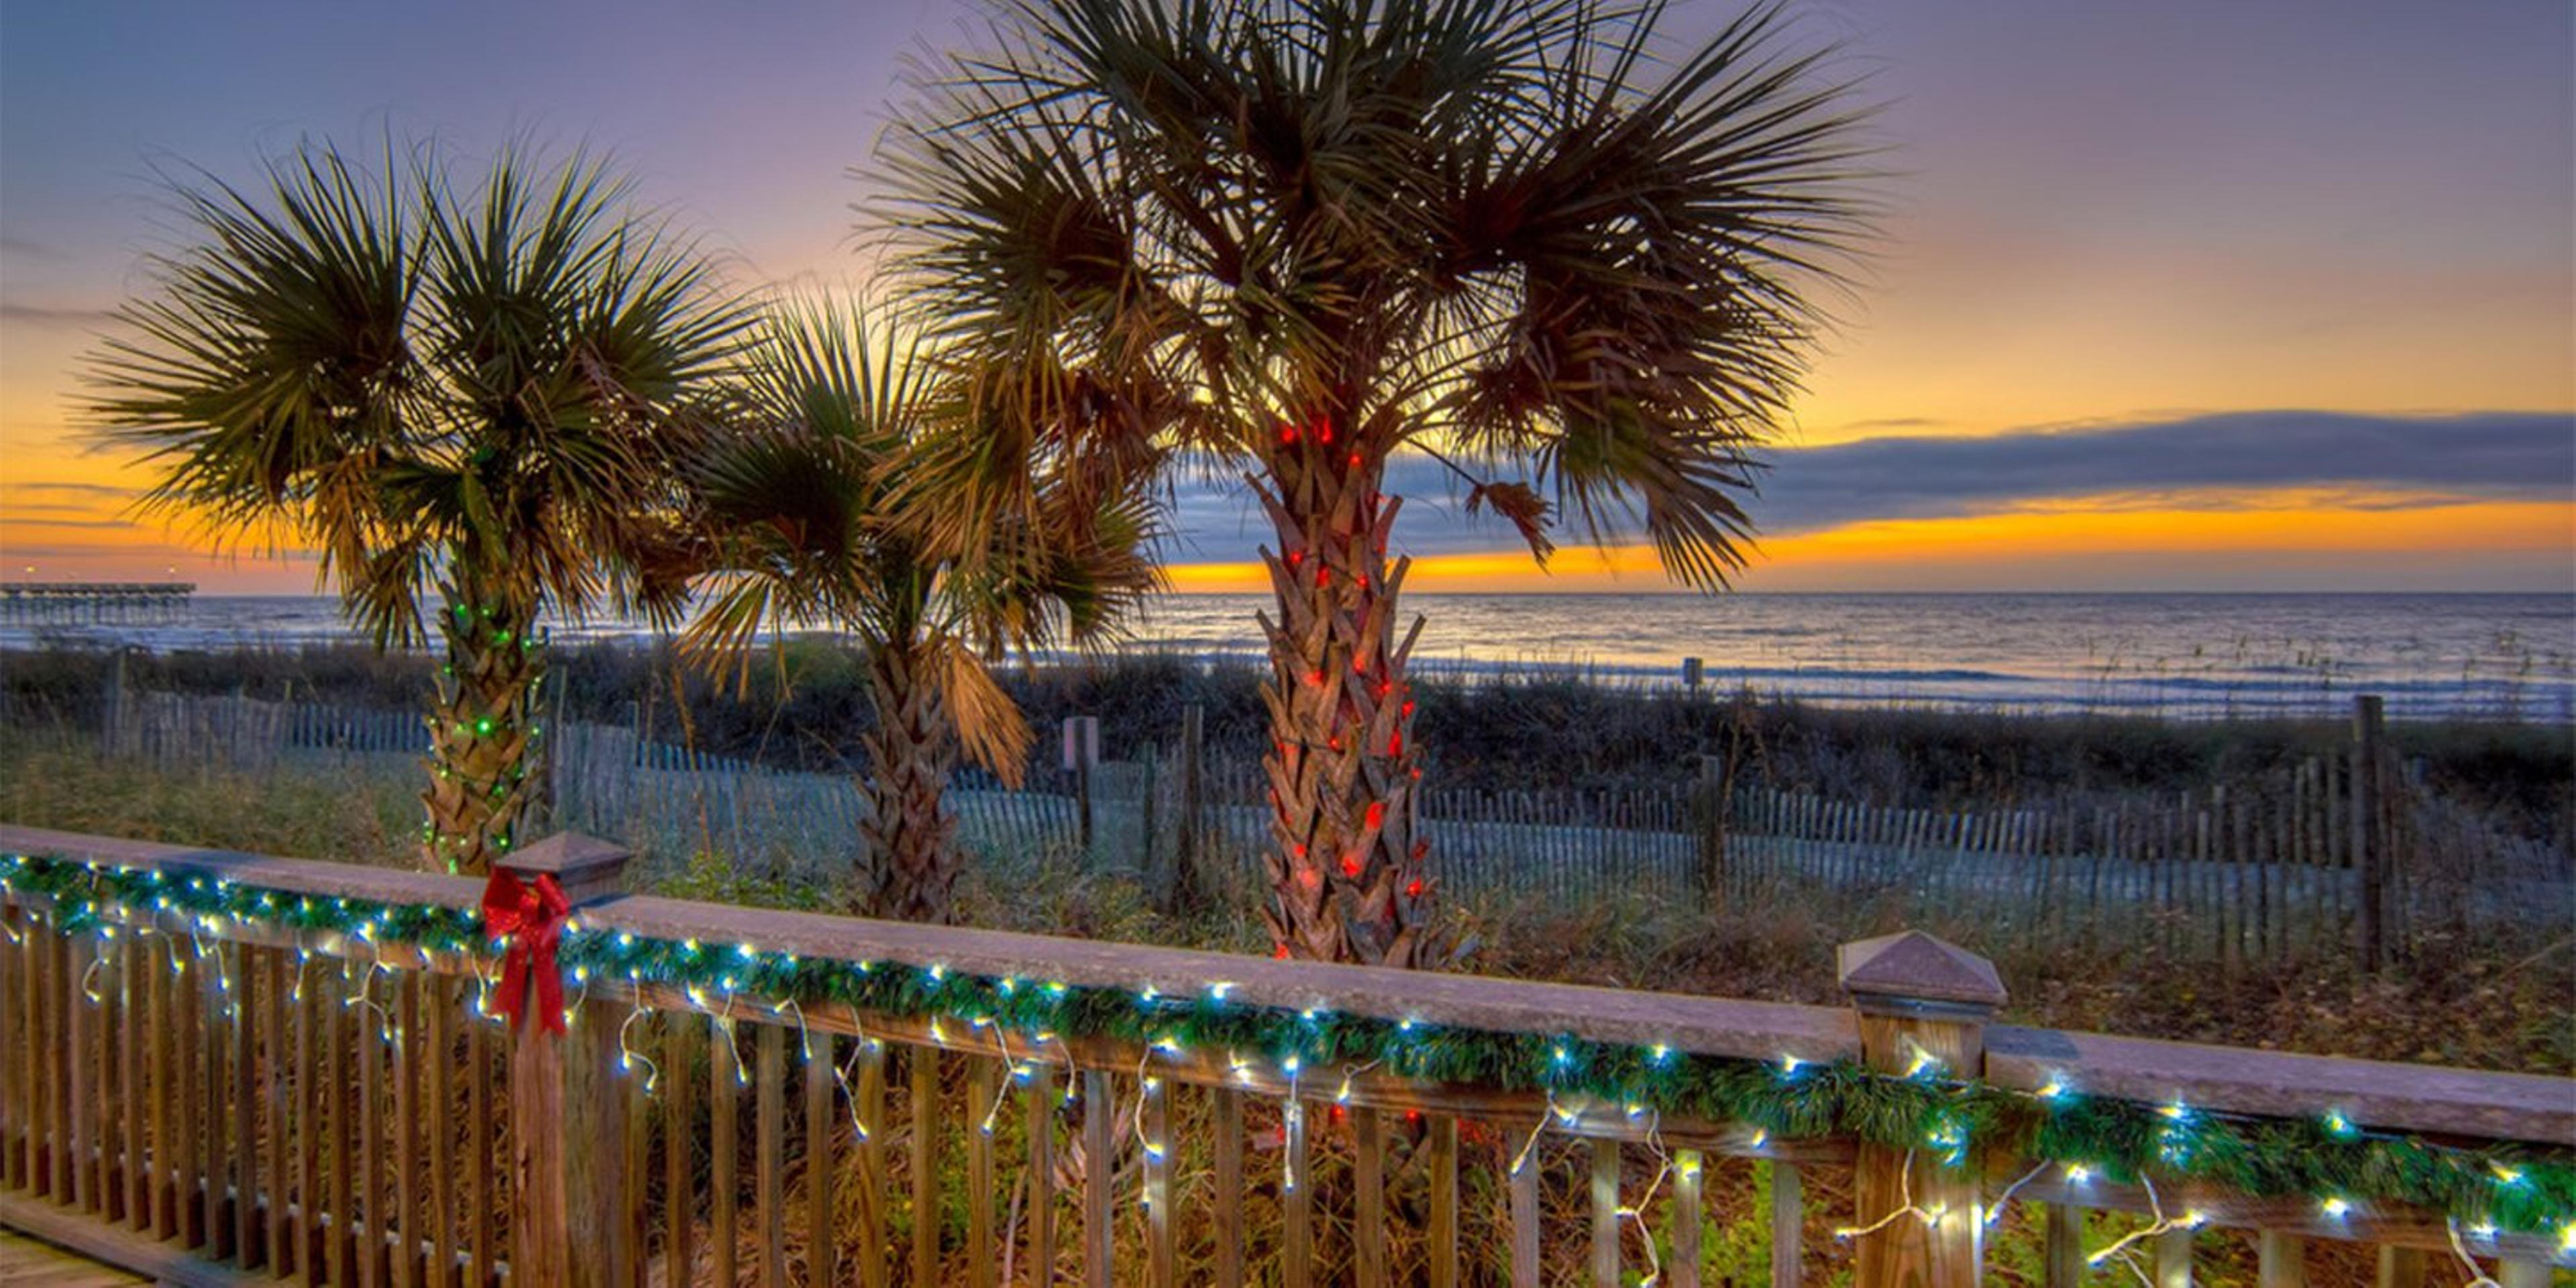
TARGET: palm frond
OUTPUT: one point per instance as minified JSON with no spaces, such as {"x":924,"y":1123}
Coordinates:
{"x":408,"y":374}
{"x":1525,"y":232}
{"x":989,"y":724}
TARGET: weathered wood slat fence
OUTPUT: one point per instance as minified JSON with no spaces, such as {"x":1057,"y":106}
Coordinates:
{"x":341,"y":1109}
{"x":2336,"y":855}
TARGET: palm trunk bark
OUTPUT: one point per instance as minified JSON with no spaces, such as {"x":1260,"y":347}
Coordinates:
{"x":486,"y":760}
{"x":909,"y":872}
{"x":1349,"y":876}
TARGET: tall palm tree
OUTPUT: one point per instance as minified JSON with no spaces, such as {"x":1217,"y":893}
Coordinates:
{"x":813,"y":504}
{"x":475,"y":391}
{"x":1295,"y":238}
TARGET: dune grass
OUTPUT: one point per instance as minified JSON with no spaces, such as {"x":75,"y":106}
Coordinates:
{"x":806,"y":708}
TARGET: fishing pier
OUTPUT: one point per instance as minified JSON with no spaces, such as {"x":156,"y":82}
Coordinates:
{"x":120,"y":603}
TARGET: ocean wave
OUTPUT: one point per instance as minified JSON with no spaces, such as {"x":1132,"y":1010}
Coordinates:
{"x":2180,"y":656}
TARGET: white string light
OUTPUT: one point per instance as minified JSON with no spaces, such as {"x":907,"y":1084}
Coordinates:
{"x":724,"y":1021}
{"x":1522,"y":1158}
{"x":1931,"y":1217}
{"x":1637,"y":1212}
{"x":627,"y":1055}
{"x":1995,"y":1210}
{"x":2158,"y":1224}
{"x":1292,"y":1123}
{"x":1001,"y":1094}
{"x":365,"y":1001}
{"x":2478,"y":1277}
{"x":733,"y":1052}
{"x":1146,"y":1085}
{"x":223,"y":979}
{"x":841,"y":1074}
{"x":1342,"y":1096}
{"x":580,"y":976}
{"x":484,"y":971}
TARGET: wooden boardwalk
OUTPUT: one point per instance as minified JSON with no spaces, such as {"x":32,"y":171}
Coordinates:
{"x":25,"y":1263}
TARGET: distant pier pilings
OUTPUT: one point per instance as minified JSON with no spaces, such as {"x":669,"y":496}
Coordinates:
{"x":126,"y":603}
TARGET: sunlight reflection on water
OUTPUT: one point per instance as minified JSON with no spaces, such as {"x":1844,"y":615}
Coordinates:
{"x":2172,"y":654}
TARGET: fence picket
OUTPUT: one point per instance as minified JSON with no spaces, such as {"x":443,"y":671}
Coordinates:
{"x":2274,"y":879}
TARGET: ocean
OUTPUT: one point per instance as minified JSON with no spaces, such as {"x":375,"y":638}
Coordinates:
{"x":2174,"y":655}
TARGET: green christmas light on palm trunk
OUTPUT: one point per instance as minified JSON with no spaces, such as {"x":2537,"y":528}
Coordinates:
{"x":484,"y":738}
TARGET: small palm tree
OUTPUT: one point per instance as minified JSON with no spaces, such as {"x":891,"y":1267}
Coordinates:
{"x":477,"y":391}
{"x":1296,"y":238}
{"x":816,"y":509}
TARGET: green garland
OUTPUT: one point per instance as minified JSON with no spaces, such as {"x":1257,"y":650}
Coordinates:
{"x":2515,"y":1187}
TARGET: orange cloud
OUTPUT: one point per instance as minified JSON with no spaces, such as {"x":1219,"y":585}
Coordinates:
{"x":2070,"y":543}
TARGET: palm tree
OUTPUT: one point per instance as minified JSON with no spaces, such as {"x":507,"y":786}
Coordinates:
{"x":476,"y":391}
{"x":814,"y":507}
{"x":1291,"y":239}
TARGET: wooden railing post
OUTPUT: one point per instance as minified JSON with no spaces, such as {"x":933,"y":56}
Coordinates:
{"x":112,"y":710}
{"x":1082,"y":758}
{"x":2370,"y":830}
{"x":1712,"y":832}
{"x":1923,"y":1008}
{"x":568,"y":1115}
{"x":2522,"y":1274}
{"x":1190,"y":886}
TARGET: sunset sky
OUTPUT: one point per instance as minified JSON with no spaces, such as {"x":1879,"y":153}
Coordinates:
{"x":2186,"y":295}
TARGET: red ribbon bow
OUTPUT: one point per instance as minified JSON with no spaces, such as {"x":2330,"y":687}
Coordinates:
{"x":530,"y":916}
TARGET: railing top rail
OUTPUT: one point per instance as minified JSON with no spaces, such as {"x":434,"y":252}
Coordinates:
{"x":1706,"y":1026}
{"x":2407,"y":1097}
{"x":316,"y":877}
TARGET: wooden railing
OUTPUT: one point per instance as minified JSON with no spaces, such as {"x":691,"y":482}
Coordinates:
{"x":208,"y":1098}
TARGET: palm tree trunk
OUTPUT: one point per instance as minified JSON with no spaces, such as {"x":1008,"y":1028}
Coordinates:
{"x":488,"y":772}
{"x":1348,"y":875}
{"x":909,"y":872}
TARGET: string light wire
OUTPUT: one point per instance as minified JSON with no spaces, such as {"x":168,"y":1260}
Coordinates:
{"x":2478,"y":1277}
{"x":1906,"y":1208}
{"x":841,"y":1074}
{"x":1001,"y":1094}
{"x":2158,"y":1224}
{"x":1637,"y":1211}
{"x":627,"y":1055}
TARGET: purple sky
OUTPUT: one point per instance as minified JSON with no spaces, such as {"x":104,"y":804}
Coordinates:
{"x":2107,"y":214}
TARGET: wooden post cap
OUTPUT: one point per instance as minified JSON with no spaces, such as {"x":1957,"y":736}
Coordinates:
{"x":586,"y":867}
{"x":1916,"y":974}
